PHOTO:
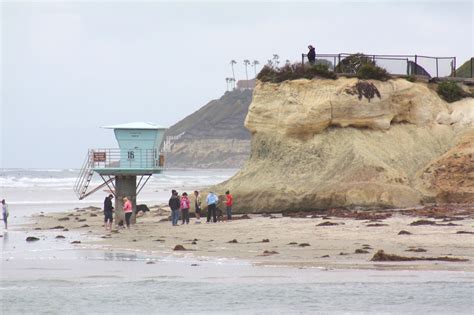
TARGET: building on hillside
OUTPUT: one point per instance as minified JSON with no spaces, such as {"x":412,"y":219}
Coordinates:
{"x":246,"y":84}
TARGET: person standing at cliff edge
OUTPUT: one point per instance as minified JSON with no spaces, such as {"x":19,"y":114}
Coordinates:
{"x":229,"y":200}
{"x":311,"y":55}
{"x":5,"y":213}
{"x":128,"y":210}
{"x":174,"y":204}
{"x":211,"y":200}
{"x":108,"y":212}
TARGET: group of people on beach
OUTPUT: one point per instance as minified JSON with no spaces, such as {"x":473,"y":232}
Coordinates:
{"x":180,"y":206}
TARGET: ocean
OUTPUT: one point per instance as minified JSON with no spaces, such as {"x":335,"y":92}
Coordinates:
{"x":53,"y":277}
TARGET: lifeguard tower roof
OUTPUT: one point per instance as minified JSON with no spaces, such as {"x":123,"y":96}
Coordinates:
{"x":135,"y":125}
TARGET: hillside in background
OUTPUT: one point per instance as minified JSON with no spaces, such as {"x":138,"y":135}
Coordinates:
{"x":464,"y":71}
{"x":214,"y":136}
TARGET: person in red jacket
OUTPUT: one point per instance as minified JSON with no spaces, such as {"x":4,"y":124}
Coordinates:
{"x":229,"y":201}
{"x":127,"y":209}
{"x":185,"y":205}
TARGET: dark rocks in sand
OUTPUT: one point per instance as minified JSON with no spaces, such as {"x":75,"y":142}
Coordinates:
{"x":382,"y":256}
{"x":195,"y":240}
{"x":193,"y":243}
{"x":32,"y":239}
{"x":37,"y":229}
{"x":165,"y":220}
{"x":81,"y":220}
{"x":269,"y":252}
{"x":60,"y":236}
{"x":403,"y":232}
{"x":93,"y":215}
{"x":76,"y":242}
{"x":57,"y":227}
{"x":159,"y":240}
{"x":416,"y":250}
{"x":244,"y":217}
{"x":361,"y":251}
{"x":63,"y":219}
{"x":376,"y":225}
{"x":423,"y":222}
{"x":327,"y":223}
{"x":292,"y":243}
{"x":65,"y":230}
{"x":303,"y":245}
{"x":70,"y":215}
{"x":325,"y":256}
{"x":84,"y":226}
{"x":234,"y":241}
{"x":134,"y":240}
{"x":366,"y":247}
{"x":343,"y":254}
{"x":265,"y":240}
{"x":464,"y":232}
{"x":194,"y":265}
{"x":150,"y":262}
{"x":179,"y":247}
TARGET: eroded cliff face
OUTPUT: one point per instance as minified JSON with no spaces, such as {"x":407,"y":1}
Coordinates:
{"x":348,"y":143}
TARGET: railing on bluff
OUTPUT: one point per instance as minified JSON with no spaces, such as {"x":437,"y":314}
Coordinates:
{"x":397,"y":64}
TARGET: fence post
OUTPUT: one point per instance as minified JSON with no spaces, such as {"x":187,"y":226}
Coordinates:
{"x":437,"y":67}
{"x":416,"y":64}
{"x":471,"y":66}
{"x":408,"y":68}
{"x":302,"y":59}
{"x":334,"y":65}
{"x":338,"y":60}
{"x":454,"y":66}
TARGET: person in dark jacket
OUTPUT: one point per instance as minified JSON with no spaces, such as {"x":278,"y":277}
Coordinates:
{"x":311,"y":55}
{"x":108,"y":212}
{"x":174,"y":204}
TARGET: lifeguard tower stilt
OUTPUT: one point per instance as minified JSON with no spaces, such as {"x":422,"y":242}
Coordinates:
{"x":137,"y":157}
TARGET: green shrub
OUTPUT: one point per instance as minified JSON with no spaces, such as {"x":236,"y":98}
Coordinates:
{"x":372,"y":71}
{"x":295,"y":71}
{"x":411,"y":78}
{"x":352,"y":63}
{"x":450,"y":91}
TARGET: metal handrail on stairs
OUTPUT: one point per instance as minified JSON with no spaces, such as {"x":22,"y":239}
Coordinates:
{"x":84,"y":177}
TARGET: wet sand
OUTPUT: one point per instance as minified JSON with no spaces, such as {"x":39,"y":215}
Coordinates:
{"x":304,"y":240}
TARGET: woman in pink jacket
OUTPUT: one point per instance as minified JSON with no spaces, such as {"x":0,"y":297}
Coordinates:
{"x":127,"y":209}
{"x":185,"y":205}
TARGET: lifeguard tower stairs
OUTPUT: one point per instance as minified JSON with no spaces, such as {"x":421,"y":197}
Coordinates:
{"x":138,"y":156}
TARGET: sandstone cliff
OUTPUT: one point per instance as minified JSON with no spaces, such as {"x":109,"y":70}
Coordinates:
{"x":214,"y":136}
{"x":348,"y":143}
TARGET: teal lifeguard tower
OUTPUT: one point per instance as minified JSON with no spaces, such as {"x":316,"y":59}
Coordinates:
{"x":138,"y":157}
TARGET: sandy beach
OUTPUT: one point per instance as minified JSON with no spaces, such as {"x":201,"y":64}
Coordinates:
{"x":331,"y":239}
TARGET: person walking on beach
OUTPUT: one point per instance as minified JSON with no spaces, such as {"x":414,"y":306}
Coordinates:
{"x":229,"y":200}
{"x":185,"y":205}
{"x":127,"y":209}
{"x":5,"y":213}
{"x":174,"y":204}
{"x":197,"y":206}
{"x":211,"y":200}
{"x":311,"y":55}
{"x":108,"y":212}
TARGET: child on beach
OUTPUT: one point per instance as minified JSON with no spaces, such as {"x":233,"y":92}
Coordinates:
{"x":197,"y":206}
{"x":229,"y":200}
{"x":185,"y":205}
{"x":174,"y":204}
{"x":127,"y":209}
{"x":5,"y":213}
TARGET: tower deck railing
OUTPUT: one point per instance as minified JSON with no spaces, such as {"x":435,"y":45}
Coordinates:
{"x":398,"y":64}
{"x":125,"y":159}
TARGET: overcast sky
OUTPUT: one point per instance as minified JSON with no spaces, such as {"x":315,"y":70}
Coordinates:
{"x":68,"y":68}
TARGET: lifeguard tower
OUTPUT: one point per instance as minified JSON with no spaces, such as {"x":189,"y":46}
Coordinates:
{"x":138,"y":156}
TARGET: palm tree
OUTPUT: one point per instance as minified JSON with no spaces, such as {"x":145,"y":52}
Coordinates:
{"x":232,"y":63}
{"x":255,"y":63}
{"x":246,"y":63}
